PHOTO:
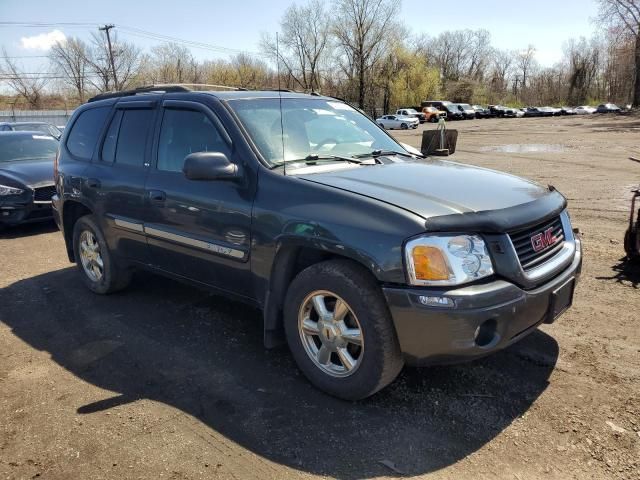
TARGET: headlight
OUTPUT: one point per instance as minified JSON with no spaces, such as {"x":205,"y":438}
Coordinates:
{"x":442,"y":260}
{"x":4,"y":190}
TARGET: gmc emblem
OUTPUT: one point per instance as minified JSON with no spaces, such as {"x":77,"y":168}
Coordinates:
{"x":542,"y":240}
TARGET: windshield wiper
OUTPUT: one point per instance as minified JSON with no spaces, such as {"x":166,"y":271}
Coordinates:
{"x":382,"y":153}
{"x":312,"y":158}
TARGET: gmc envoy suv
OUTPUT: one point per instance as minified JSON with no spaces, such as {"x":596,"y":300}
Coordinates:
{"x":362,"y":254}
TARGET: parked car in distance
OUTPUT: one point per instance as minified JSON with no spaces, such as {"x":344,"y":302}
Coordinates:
{"x":26,"y":176}
{"x":31,"y":127}
{"x":432,"y":114}
{"x":567,"y":111}
{"x":412,"y":112}
{"x":519,"y":112}
{"x":468,"y":112}
{"x":608,"y":108}
{"x":584,"y":110}
{"x":453,"y":112}
{"x":397,"y":122}
{"x":497,"y":110}
{"x":482,"y":112}
{"x":555,"y":112}
{"x":510,"y":112}
{"x":361,"y":256}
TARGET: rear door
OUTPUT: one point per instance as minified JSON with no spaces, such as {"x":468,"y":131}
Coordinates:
{"x":197,"y":229}
{"x":117,"y":175}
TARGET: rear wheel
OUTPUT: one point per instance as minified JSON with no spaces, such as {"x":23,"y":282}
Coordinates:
{"x":97,"y":266}
{"x":340,"y":331}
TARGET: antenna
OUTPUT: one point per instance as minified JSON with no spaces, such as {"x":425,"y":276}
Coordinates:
{"x":284,"y":160}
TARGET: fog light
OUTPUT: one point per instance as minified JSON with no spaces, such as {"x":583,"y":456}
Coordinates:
{"x":485,"y":333}
{"x":436,"y":301}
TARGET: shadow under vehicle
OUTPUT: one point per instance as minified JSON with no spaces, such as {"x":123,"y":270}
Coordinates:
{"x":203,"y":355}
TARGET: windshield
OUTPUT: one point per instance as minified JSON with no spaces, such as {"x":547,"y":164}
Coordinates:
{"x":27,"y":147}
{"x":410,"y":110}
{"x":37,"y":127}
{"x":465,"y":106}
{"x":309,"y":127}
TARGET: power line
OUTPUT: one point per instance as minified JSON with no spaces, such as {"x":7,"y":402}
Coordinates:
{"x":24,"y":56}
{"x":47,"y":24}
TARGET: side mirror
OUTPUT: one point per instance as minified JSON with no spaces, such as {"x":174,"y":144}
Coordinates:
{"x":209,"y":166}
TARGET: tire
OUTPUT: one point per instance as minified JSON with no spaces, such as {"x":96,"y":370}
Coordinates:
{"x":113,"y":277}
{"x":381,"y":126}
{"x":433,"y":119}
{"x":378,"y":359}
{"x":404,"y":126}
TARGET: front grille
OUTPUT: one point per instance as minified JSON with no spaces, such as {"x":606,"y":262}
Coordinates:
{"x":522,"y":241}
{"x":44,"y":194}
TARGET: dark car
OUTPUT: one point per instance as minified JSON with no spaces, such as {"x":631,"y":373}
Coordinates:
{"x":608,"y":108}
{"x":42,"y":127}
{"x":452,"y":110}
{"x":497,"y":110}
{"x":26,"y":177}
{"x":535,"y":112}
{"x":482,"y":112}
{"x":467,"y":110}
{"x":362,"y":255}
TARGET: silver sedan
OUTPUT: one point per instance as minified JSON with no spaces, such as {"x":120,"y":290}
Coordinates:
{"x":391,"y":122}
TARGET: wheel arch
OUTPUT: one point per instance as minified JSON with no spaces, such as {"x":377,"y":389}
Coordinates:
{"x":293,"y":256}
{"x":72,"y":210}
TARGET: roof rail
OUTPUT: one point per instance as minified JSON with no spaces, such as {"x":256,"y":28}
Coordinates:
{"x":160,"y":88}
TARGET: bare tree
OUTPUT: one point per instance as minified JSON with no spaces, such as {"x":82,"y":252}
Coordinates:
{"x":304,"y":43}
{"x":70,"y":60}
{"x":502,"y":66}
{"x":526,"y":62}
{"x":361,"y":34}
{"x":625,"y":15}
{"x":172,"y":63}
{"x":126,"y":62}
{"x":25,"y":85}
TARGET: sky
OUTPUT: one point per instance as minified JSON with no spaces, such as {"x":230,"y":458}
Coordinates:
{"x":233,"y":26}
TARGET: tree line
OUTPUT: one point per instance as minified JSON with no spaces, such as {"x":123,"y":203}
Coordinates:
{"x":358,"y":50}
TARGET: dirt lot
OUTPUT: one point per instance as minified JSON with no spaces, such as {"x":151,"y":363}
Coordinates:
{"x":164,"y":381}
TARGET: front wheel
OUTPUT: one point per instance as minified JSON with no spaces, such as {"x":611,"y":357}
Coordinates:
{"x":97,"y":266}
{"x":339,"y":330}
{"x":404,"y":126}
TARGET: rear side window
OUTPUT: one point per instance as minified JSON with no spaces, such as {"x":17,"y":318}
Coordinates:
{"x":109,"y":145}
{"x":84,"y":133}
{"x":184,"y":132}
{"x":132,"y":138}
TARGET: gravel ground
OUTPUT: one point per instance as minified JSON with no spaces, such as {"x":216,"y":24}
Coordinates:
{"x":166,"y":381}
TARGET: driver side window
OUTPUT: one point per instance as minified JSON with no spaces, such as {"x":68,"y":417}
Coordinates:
{"x":184,"y":132}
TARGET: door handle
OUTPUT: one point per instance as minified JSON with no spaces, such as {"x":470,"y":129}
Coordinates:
{"x":157,"y":196}
{"x":93,"y":183}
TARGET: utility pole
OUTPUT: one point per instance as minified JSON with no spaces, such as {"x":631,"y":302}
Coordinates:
{"x":106,"y":29}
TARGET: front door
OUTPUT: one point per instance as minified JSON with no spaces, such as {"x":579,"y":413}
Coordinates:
{"x":197,"y":229}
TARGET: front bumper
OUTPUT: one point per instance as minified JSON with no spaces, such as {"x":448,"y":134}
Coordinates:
{"x":14,"y":213}
{"x":484,"y":318}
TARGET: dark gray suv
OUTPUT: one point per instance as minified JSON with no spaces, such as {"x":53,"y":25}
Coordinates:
{"x":362,"y":255}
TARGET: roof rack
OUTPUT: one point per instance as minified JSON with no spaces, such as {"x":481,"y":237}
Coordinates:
{"x":161,"y":88}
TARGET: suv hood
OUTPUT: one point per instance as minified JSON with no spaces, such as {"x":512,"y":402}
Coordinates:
{"x":28,"y":172}
{"x":434,"y":188}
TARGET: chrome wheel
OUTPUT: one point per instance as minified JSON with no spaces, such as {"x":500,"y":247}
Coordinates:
{"x":330,"y":333}
{"x":90,"y":256}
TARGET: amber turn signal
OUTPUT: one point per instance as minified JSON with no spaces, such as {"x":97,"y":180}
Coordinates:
{"x":429,"y":263}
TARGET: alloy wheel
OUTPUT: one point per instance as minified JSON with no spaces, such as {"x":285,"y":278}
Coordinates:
{"x":330,"y":333}
{"x":90,"y":256}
